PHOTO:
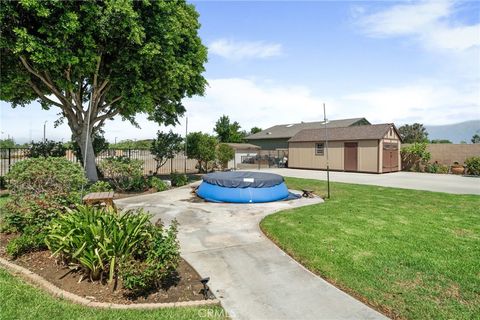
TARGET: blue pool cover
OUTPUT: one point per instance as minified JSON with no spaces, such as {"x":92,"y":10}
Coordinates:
{"x":242,"y":187}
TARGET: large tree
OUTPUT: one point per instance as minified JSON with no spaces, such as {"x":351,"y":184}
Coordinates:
{"x":228,"y":131}
{"x":415,"y":133}
{"x":94,"y":60}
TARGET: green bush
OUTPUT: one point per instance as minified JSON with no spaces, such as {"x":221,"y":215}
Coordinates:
{"x":473,"y":165}
{"x":124,"y":173}
{"x":414,"y":155}
{"x":46,"y":149}
{"x":158,"y":184}
{"x":100,"y":186}
{"x":161,"y":260}
{"x":138,"y":184}
{"x":21,"y":212}
{"x":436,"y":168}
{"x":26,"y":242}
{"x":225,"y":153}
{"x":46,"y":176}
{"x":100,"y":241}
{"x":40,"y":189}
{"x":178,"y":179}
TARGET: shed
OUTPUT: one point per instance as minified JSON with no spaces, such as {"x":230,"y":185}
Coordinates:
{"x":277,"y":137}
{"x":366,"y":148}
{"x":243,"y":151}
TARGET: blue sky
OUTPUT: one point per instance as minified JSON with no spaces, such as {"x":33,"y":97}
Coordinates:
{"x":277,"y":62}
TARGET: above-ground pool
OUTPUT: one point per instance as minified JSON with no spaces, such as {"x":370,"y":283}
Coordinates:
{"x":242,"y":187}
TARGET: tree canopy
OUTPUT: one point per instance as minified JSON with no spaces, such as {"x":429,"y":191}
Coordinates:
{"x":476,"y":138}
{"x":255,"y":130}
{"x":165,"y":147}
{"x":94,"y":60}
{"x":201,"y":146}
{"x":415,"y":133}
{"x":225,"y":153}
{"x":227,"y":131}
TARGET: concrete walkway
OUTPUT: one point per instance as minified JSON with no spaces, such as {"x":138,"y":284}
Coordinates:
{"x":407,"y":180}
{"x":251,"y":276}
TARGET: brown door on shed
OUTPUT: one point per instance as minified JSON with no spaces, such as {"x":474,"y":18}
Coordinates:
{"x":351,"y":155}
{"x":390,"y":157}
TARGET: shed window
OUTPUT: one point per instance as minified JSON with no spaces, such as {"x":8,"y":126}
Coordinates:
{"x":319,"y":149}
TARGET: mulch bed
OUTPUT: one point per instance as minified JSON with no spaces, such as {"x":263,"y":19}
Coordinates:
{"x":184,"y":286}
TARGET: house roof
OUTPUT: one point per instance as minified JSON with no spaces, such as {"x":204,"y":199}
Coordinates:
{"x":243,"y":146}
{"x":366,"y":132}
{"x":289,"y":130}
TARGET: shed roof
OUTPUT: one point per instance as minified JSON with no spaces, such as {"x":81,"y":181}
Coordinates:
{"x":289,"y":130}
{"x":366,"y":132}
{"x":243,"y":146}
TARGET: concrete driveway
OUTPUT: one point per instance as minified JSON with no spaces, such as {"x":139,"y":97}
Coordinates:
{"x":407,"y":180}
{"x":251,"y":276}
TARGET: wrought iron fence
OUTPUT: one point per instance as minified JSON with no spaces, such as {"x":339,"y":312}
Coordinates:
{"x":265,"y":159}
{"x":8,"y":156}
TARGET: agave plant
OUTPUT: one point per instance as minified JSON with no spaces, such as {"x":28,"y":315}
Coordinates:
{"x":98,"y":239}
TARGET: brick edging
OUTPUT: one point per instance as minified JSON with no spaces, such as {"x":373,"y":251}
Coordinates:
{"x":63,"y":294}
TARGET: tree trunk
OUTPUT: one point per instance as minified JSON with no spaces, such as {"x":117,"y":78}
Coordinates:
{"x":89,"y":165}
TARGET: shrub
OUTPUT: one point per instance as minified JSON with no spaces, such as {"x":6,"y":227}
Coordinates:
{"x":124,"y":173}
{"x":473,"y":165}
{"x":100,"y":186}
{"x":101,"y":242}
{"x":40,"y":188}
{"x":178,"y":179}
{"x":42,"y":176}
{"x":26,"y":242}
{"x":158,"y":184}
{"x":22,"y":212}
{"x":138,"y":184}
{"x":415,"y":155}
{"x":161,"y":260}
{"x":225,"y":153}
{"x":46,"y":149}
{"x":436,"y":168}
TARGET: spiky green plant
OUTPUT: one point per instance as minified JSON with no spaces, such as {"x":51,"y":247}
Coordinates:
{"x":98,"y":239}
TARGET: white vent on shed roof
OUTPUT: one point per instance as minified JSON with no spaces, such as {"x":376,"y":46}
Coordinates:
{"x":289,"y":125}
{"x":269,"y":132}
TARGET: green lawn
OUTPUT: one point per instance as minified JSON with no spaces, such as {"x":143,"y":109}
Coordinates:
{"x":20,"y":300}
{"x":411,"y":254}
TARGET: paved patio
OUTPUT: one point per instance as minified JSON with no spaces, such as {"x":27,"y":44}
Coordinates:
{"x":407,"y":180}
{"x":251,"y":276}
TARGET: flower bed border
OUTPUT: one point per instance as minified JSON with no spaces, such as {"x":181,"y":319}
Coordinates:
{"x":55,"y":291}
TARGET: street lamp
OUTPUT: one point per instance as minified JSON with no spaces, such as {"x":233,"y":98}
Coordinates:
{"x":44,"y":130}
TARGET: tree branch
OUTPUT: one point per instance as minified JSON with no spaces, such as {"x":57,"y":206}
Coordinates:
{"x":43,"y":97}
{"x":47,"y":82}
{"x":110,"y":114}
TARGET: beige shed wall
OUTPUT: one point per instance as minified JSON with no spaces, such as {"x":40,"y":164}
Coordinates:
{"x":302,"y":155}
{"x":368,"y":155}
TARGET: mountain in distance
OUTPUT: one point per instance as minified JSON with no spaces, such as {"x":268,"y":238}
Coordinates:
{"x":456,"y":132}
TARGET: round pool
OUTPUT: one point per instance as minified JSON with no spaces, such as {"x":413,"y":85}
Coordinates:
{"x":242,"y":187}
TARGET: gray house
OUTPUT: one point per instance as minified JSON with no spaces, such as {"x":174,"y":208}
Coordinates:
{"x":277,"y":137}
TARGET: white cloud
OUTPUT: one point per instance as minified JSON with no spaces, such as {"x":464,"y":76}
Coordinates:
{"x":425,"y":102}
{"x":267,"y":103}
{"x":427,"y":21}
{"x":238,"y":50}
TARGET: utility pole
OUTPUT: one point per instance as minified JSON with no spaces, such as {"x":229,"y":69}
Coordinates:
{"x":186,"y":133}
{"x":44,"y":130}
{"x":326,"y":147}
